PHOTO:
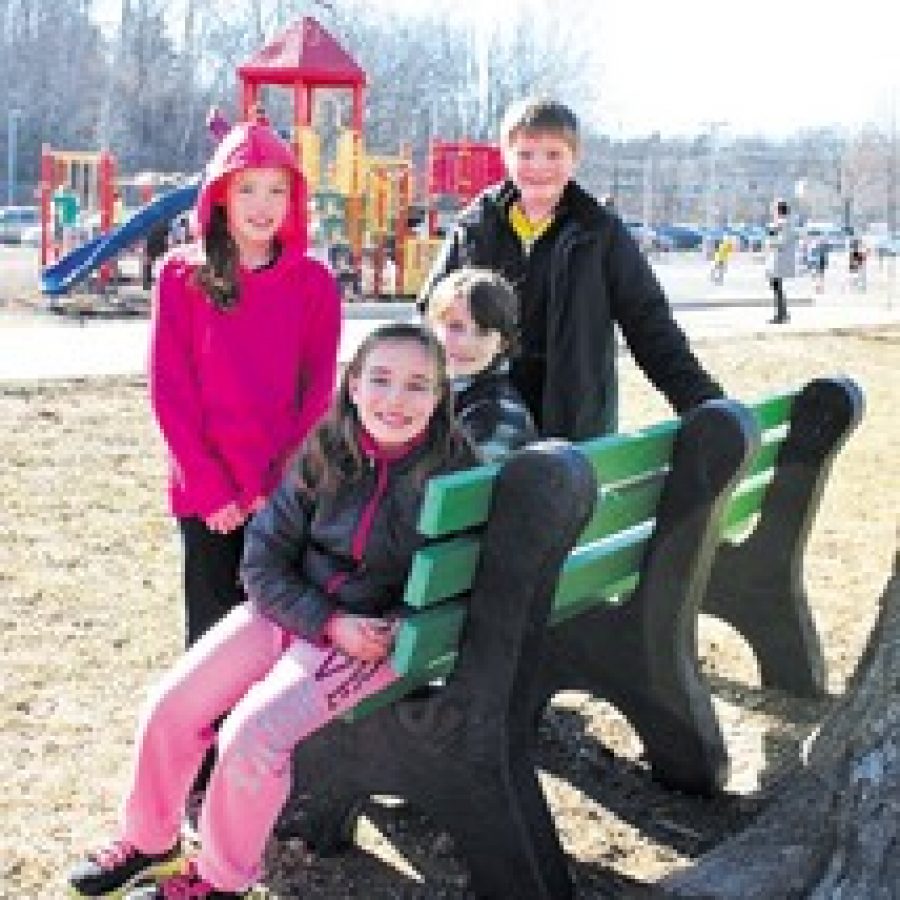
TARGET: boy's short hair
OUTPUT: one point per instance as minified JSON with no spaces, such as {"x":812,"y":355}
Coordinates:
{"x":540,"y":114}
{"x":493,"y":302}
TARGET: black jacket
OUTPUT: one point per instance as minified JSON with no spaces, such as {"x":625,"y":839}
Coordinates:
{"x":306,"y":556}
{"x":492,"y":412}
{"x":597,"y":278}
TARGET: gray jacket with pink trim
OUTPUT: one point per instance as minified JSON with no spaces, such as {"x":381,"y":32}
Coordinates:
{"x":306,"y":556}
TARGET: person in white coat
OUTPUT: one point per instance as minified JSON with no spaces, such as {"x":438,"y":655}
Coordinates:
{"x":781,"y":257}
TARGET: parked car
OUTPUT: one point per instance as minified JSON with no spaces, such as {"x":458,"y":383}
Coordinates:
{"x":756,"y":238}
{"x":31,"y":236}
{"x":14,"y":220}
{"x":649,"y":238}
{"x":681,"y":237}
{"x":883,"y":245}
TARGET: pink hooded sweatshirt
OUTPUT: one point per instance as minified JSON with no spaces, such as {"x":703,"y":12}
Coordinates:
{"x":236,"y":391}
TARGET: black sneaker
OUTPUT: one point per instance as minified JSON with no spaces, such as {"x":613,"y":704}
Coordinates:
{"x":187,"y":885}
{"x":110,"y":872}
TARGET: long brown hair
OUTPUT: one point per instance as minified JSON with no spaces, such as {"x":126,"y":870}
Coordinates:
{"x":217,"y":277}
{"x":332,"y":455}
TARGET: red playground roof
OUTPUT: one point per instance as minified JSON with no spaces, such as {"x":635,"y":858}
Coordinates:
{"x":305,"y":52}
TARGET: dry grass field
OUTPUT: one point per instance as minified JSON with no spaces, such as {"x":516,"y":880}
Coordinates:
{"x":91,"y":614}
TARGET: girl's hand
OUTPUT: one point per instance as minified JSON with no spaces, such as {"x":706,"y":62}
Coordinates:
{"x":362,"y":637}
{"x":226,"y":519}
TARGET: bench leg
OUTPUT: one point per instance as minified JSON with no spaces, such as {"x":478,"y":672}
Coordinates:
{"x":642,"y":654}
{"x":473,"y":778}
{"x":323,"y":816}
{"x":770,"y":610}
{"x":505,"y":831}
{"x":656,"y":687}
{"x":464,"y":754}
{"x":757,"y":586}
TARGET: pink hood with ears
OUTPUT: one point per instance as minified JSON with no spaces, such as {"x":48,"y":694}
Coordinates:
{"x":251,"y":145}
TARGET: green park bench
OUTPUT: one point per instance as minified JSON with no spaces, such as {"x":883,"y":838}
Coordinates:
{"x":583,"y":567}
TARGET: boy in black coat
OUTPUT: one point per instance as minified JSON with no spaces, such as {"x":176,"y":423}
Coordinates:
{"x":578,"y":272}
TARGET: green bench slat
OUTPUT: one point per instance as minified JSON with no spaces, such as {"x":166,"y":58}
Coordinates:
{"x":457,"y":501}
{"x":395,"y":691}
{"x":616,"y":592}
{"x":447,"y":569}
{"x":767,"y":454}
{"x":622,"y":507}
{"x":442,"y":570}
{"x":461,"y":500}
{"x":428,"y":638}
{"x":600,"y":571}
{"x":745,"y":503}
{"x":623,"y":456}
{"x":773,"y":411}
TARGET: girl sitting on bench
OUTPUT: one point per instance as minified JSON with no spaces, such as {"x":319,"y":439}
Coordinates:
{"x":324,"y":567}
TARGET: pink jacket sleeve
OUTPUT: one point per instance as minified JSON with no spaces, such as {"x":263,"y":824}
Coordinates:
{"x":175,"y":395}
{"x":320,"y":363}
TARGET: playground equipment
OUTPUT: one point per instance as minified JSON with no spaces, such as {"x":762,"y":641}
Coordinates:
{"x":81,"y":186}
{"x":360,"y":205}
{"x":98,"y":252}
{"x":73,"y":183}
{"x":458,"y":171}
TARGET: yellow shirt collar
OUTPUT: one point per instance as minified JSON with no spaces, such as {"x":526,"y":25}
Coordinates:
{"x":526,"y":230}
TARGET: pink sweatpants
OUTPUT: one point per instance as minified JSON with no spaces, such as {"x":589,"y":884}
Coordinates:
{"x":279,"y":689}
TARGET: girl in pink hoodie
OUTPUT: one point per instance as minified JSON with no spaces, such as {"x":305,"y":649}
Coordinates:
{"x":243,"y":357}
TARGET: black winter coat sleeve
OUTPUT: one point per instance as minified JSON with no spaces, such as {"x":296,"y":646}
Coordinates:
{"x":657,"y":343}
{"x":496,"y":426}
{"x":272,"y":566}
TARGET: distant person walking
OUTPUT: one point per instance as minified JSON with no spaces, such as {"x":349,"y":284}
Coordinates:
{"x":781,"y":257}
{"x":720,"y":260}
{"x":820,"y":264}
{"x":856,"y":265}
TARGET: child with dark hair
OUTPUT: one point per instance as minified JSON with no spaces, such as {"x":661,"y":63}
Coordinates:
{"x":475,"y":314}
{"x":325,"y":564}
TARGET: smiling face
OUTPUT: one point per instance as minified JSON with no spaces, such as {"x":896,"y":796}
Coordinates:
{"x":541,"y":163}
{"x":257,"y":205}
{"x":396,"y":391}
{"x":470,"y":348}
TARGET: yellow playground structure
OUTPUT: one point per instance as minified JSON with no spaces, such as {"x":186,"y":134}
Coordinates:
{"x":359,"y":204}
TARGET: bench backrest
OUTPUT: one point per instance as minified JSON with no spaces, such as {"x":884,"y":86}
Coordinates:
{"x":773,"y":418}
{"x":603,"y":566}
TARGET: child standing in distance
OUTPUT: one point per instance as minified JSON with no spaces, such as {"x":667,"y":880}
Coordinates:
{"x":324,"y":568}
{"x":475,"y":314}
{"x":243,"y":357}
{"x":578,"y":273}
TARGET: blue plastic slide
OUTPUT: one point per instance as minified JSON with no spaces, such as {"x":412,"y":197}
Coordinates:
{"x":80,"y":262}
